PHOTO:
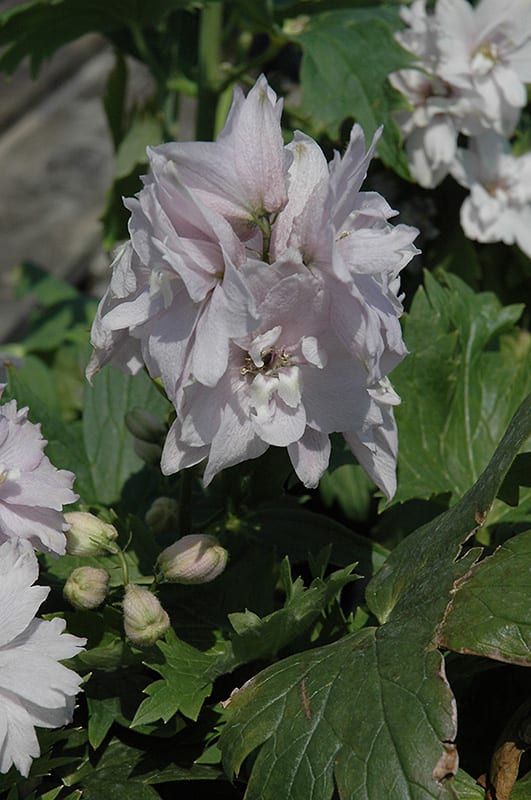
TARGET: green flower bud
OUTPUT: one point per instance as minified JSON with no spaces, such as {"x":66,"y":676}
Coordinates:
{"x":198,"y":558}
{"x":145,"y":620}
{"x":149,"y":452}
{"x":145,"y":426}
{"x":88,"y":535}
{"x":162,"y":514}
{"x":86,"y":587}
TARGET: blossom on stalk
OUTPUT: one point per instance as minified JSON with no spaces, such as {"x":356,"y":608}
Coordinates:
{"x":498,"y":208}
{"x":86,"y":587}
{"x":88,"y":535}
{"x":261,"y":286}
{"x":468,"y":77}
{"x":487,"y":48}
{"x":32,"y":491}
{"x":195,"y":558}
{"x":145,"y":621}
{"x":36,"y":690}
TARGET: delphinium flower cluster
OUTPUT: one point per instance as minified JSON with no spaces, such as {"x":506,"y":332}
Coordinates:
{"x":471,"y":66}
{"x":35,"y":689}
{"x":261,"y":286}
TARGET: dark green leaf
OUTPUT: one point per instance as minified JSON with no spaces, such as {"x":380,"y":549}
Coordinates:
{"x":21,"y":29}
{"x":460,"y":386}
{"x":372,"y":712}
{"x":347,"y":57}
{"x":109,"y":445}
{"x":296,"y":532}
{"x":486,"y":616}
{"x":188,"y":675}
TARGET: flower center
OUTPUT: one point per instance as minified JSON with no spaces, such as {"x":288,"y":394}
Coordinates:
{"x":272,"y":360}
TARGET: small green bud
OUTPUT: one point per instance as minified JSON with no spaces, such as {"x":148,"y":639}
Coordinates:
{"x":162,"y":514}
{"x":86,"y":587}
{"x":149,"y":452}
{"x":145,"y":426}
{"x":197,"y":558}
{"x":88,"y":535}
{"x":145,"y":620}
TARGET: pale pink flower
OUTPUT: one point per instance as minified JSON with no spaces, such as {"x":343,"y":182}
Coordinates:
{"x":248,"y":259}
{"x":498,"y":208}
{"x":471,"y":67}
{"x":36,"y":690}
{"x":290,"y":384}
{"x":32,"y":491}
{"x":488,"y":48}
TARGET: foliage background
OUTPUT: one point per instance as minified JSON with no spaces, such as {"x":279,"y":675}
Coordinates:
{"x":374,"y":637}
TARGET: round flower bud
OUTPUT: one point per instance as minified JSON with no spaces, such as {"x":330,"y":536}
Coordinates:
{"x":86,"y":587}
{"x":198,"y":558}
{"x":162,"y":514}
{"x":88,"y":535}
{"x":145,"y":426}
{"x":145,"y":620}
{"x":149,"y":452}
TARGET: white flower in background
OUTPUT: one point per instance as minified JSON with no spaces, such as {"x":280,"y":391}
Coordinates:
{"x":261,"y":285}
{"x":36,"y":690}
{"x":469,"y":75}
{"x":498,"y":208}
{"x":487,"y":48}
{"x":32,"y":490}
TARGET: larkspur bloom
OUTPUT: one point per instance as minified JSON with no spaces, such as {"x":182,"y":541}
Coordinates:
{"x":36,"y":690}
{"x":32,"y":491}
{"x":487,"y":48}
{"x":468,"y":77}
{"x":498,"y":208}
{"x":261,"y":285}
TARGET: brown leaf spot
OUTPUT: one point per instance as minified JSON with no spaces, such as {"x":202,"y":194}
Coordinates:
{"x":446,"y":766}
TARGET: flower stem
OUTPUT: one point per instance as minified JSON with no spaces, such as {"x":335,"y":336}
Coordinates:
{"x":209,"y":57}
{"x":125,"y":569}
{"x":184,"y":520}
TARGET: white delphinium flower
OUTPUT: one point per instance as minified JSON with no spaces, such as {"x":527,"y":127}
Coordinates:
{"x":36,"y":690}
{"x":487,"y":48}
{"x":498,"y":208}
{"x":261,"y":285}
{"x":32,"y":491}
{"x":469,"y":75}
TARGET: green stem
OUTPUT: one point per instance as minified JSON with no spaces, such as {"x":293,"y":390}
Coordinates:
{"x":184,"y":518}
{"x":148,"y":57}
{"x":209,"y":57}
{"x":125,"y":568}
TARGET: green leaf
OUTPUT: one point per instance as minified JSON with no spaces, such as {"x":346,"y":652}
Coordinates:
{"x":65,"y":447}
{"x":486,"y":616}
{"x":371,"y":713}
{"x":347,"y":57}
{"x":263,"y":638}
{"x":466,"y":788}
{"x":108,"y":443}
{"x":114,"y":99}
{"x":460,"y":385}
{"x":296,"y":532}
{"x":189,"y":672}
{"x":21,"y":29}
{"x":188,"y":675}
{"x":116,"y":775}
{"x":350,"y":488}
